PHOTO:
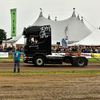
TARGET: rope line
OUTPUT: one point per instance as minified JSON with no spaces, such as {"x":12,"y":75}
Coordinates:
{"x":27,"y":22}
{"x":86,"y":20}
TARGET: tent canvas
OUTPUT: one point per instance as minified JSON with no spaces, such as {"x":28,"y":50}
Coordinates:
{"x":91,"y":40}
{"x":76,"y":28}
{"x":20,"y":41}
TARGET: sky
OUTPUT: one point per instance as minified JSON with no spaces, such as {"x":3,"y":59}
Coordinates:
{"x":28,"y":11}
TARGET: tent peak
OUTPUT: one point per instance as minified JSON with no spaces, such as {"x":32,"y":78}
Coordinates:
{"x":55,"y":18}
{"x":82,"y":19}
{"x":73,"y":14}
{"x":49,"y":17}
{"x":41,"y":14}
{"x":78,"y":17}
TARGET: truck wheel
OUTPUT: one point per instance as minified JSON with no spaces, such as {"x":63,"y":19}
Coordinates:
{"x":39,"y":61}
{"x":80,"y":62}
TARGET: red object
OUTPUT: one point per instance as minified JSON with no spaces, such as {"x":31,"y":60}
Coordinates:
{"x":5,"y":43}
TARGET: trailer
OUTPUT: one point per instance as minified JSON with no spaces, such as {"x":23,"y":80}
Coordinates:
{"x":37,"y":48}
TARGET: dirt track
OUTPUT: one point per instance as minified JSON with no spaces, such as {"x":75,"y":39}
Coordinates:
{"x":64,"y":67}
{"x":49,"y":86}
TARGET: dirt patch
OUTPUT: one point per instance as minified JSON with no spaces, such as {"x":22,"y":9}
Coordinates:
{"x":49,"y":87}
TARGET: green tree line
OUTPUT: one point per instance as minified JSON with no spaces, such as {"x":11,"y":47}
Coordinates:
{"x":2,"y":34}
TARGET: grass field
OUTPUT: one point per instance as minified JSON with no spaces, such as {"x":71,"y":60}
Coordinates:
{"x":3,"y":60}
{"x":93,"y":60}
{"x":51,"y":72}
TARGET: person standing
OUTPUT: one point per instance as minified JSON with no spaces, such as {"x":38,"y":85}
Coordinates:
{"x":16,"y":58}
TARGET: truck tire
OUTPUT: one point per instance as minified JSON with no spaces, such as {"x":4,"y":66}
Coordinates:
{"x":80,"y":62}
{"x":39,"y":61}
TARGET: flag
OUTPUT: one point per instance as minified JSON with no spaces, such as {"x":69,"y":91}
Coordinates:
{"x":13,"y":22}
{"x":65,"y":39}
{"x":66,"y":34}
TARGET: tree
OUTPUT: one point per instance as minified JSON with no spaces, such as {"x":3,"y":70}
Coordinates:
{"x":2,"y":34}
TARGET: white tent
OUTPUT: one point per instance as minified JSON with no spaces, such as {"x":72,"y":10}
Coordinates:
{"x":20,"y":41}
{"x":91,"y":40}
{"x":76,"y":30}
{"x":13,"y":40}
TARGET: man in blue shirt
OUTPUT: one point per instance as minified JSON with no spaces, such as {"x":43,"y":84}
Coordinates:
{"x":16,"y":58}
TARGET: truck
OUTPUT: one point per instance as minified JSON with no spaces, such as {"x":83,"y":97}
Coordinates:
{"x":39,"y":53}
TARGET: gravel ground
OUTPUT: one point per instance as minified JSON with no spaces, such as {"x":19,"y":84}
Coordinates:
{"x":49,"y":87}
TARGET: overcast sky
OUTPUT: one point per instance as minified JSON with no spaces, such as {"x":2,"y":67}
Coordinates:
{"x":28,"y":11}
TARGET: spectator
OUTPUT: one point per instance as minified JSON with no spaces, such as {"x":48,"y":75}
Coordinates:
{"x":52,"y":49}
{"x":21,"y":49}
{"x":16,"y":58}
{"x":1,"y":48}
{"x":93,"y":49}
{"x":70,"y":49}
{"x":83,"y":50}
{"x":66,"y":49}
{"x":62,"y":50}
{"x":86,"y":50}
{"x":55,"y":48}
{"x":58,"y":49}
{"x":9,"y":49}
{"x":5,"y":48}
{"x":96,"y":50}
{"x":74,"y":49}
{"x":90,"y":50}
{"x":13,"y":49}
{"x":79,"y":49}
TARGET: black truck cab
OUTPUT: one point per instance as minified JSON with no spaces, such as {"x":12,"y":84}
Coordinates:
{"x":37,"y":39}
{"x":37,"y":48}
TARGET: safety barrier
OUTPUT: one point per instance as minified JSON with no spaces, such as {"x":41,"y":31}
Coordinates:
{"x":87,"y":55}
{"x":8,"y":54}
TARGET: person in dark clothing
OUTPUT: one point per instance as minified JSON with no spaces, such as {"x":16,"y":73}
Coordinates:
{"x":83,"y":50}
{"x":1,"y":48}
{"x":74,"y":49}
{"x":58,"y":49}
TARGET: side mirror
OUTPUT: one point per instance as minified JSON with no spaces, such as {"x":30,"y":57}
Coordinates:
{"x":58,"y":43}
